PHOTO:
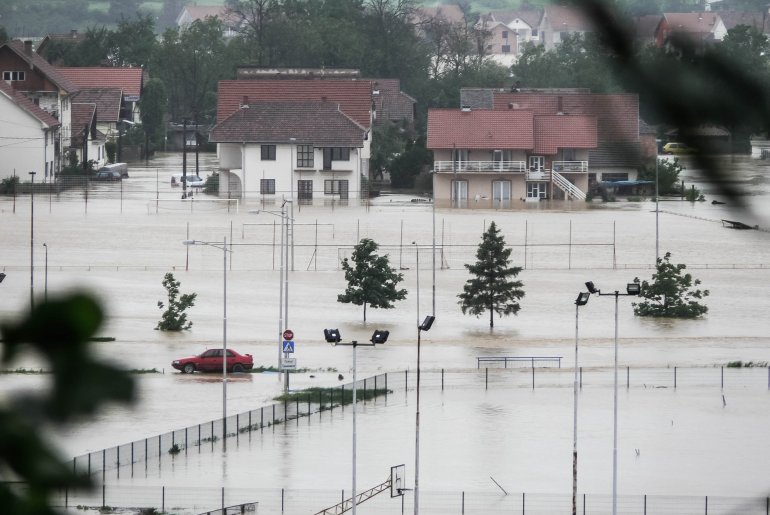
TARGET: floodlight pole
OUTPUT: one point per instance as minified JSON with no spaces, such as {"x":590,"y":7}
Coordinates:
{"x":581,"y":300}
{"x":424,"y":326}
{"x":32,"y":242}
{"x":46,"y":271}
{"x":657,"y":211}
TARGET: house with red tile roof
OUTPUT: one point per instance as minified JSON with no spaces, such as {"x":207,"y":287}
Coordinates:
{"x":558,"y":21}
{"x":304,"y":150}
{"x":26,"y":72}
{"x":87,"y":141}
{"x":29,"y":137}
{"x":305,"y":164}
{"x":532,"y":145}
{"x":509,"y":32}
{"x":700,"y":28}
{"x":129,"y":81}
{"x":72,"y":37}
{"x":192,"y":13}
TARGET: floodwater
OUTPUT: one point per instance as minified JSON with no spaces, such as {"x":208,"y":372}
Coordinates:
{"x":121,"y":239}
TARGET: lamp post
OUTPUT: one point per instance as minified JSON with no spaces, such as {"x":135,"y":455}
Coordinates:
{"x":223,"y":248}
{"x":425,"y":326}
{"x":32,"y":241}
{"x":657,"y":231}
{"x":283,"y":284}
{"x":378,"y":337}
{"x":632,"y":289}
{"x":46,"y":271}
{"x":582,"y":300}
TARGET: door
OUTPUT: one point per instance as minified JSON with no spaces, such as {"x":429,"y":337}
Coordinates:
{"x":538,"y":190}
{"x":459,"y":159}
{"x":502,"y":159}
{"x":459,"y":193}
{"x":211,"y":360}
{"x":501,"y":194}
{"x":536,"y":163}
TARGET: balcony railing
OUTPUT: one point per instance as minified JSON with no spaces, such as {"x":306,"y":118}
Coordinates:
{"x":570,"y":166}
{"x":479,"y":166}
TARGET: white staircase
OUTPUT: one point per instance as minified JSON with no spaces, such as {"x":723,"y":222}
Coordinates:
{"x":569,"y":189}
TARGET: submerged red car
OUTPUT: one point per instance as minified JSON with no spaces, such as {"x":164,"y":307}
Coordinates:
{"x":211,"y":361}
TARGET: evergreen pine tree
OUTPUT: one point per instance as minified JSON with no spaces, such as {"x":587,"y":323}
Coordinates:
{"x":492,"y":288}
{"x":371,"y":280}
{"x":671,"y":293}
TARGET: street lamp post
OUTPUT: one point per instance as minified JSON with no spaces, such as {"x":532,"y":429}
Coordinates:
{"x":632,"y":289}
{"x":425,"y":326}
{"x":378,"y":337}
{"x":582,"y":300}
{"x":223,"y":248}
{"x":32,"y":242}
{"x":657,"y":211}
{"x":46,"y":271}
{"x":283,"y":284}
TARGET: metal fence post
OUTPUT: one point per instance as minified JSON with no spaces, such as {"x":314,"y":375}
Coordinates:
{"x":674,"y":377}
{"x":722,"y":382}
{"x":533,"y":378}
{"x":281,"y":500}
{"x":442,"y":379}
{"x":628,"y":377}
{"x":463,"y":504}
{"x":523,"y":504}
{"x":486,"y":379}
{"x":163,"y":499}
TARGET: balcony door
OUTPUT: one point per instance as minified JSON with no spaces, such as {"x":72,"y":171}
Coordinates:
{"x":502,"y":159}
{"x":536,"y":163}
{"x":459,"y":158}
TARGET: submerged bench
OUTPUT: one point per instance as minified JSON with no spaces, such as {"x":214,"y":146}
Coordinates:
{"x":519,"y":359}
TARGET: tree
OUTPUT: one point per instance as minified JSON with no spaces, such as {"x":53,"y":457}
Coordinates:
{"x":153,"y":111}
{"x":671,"y":293}
{"x":668,"y":175}
{"x":371,"y":280}
{"x":175,"y":318}
{"x":492,"y":289}
{"x":59,"y":331}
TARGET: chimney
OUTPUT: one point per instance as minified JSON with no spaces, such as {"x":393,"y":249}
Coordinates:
{"x":28,"y":46}
{"x":74,"y":33}
{"x":560,"y":108}
{"x":465,"y":109}
{"x":323,"y":99}
{"x":244,"y":102}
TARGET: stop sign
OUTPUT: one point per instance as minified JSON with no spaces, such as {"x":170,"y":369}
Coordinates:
{"x":288,"y":334}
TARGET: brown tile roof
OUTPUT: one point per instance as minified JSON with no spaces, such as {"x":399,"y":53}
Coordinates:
{"x":127,"y":79}
{"x":617,"y":114}
{"x":25,"y":103}
{"x":529,"y":16}
{"x":482,"y":129}
{"x":107,"y":102}
{"x":553,"y":132}
{"x":645,"y":27}
{"x":692,"y":23}
{"x":321,"y":124}
{"x":353,"y":96}
{"x":391,"y":103}
{"x":82,"y":115}
{"x":36,"y":61}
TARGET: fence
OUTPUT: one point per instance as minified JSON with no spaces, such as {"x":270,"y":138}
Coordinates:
{"x":186,"y":500}
{"x":207,"y":434}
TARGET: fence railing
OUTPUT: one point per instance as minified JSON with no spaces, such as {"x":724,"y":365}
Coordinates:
{"x":193,"y":500}
{"x":521,"y":360}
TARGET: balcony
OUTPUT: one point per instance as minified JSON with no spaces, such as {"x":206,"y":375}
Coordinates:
{"x":570,"y":166}
{"x":479,"y":166}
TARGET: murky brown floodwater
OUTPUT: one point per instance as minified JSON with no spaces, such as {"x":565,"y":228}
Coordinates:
{"x":120,"y":246}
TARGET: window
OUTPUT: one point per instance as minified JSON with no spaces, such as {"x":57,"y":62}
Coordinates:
{"x":305,"y":190}
{"x":267,"y":186}
{"x":506,"y":49}
{"x":304,"y":156}
{"x":568,"y":154}
{"x":268,"y":152}
{"x":505,"y":34}
{"x":335,"y":154}
{"x":336,"y":187}
{"x":11,"y":76}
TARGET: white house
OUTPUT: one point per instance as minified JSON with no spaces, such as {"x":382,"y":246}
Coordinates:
{"x":29,"y":136}
{"x":305,"y":150}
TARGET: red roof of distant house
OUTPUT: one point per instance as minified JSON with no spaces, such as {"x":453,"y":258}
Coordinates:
{"x":566,"y":18}
{"x":22,"y":101}
{"x":354,"y":97}
{"x":37,"y":61}
{"x":107,"y":102}
{"x":692,"y":23}
{"x":482,"y":129}
{"x":553,"y":132}
{"x":127,"y":79}
{"x":315,"y":123}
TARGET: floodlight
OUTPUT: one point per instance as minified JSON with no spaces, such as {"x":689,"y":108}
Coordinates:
{"x":633,"y":288}
{"x":425,"y":326}
{"x":591,"y":287}
{"x":332,"y":335}
{"x":582,"y":298}
{"x":380,"y":336}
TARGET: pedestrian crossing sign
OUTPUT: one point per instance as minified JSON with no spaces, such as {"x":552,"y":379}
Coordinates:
{"x":288,"y":346}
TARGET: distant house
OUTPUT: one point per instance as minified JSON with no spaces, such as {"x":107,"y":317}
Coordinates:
{"x":128,"y":80}
{"x":300,"y":139}
{"x":192,"y":13}
{"x":558,"y":21}
{"x":30,"y":137}
{"x":26,"y":72}
{"x":72,"y":37}
{"x":87,"y":141}
{"x":532,"y":145}
{"x":509,"y":32}
{"x":700,"y":28}
{"x":646,"y":29}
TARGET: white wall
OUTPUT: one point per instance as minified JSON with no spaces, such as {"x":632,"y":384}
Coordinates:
{"x":24,"y":147}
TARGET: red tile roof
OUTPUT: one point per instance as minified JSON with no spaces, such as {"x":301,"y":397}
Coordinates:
{"x":107,"y":102}
{"x":37,"y":61}
{"x":23,"y":102}
{"x":321,"y":124}
{"x":566,"y":18}
{"x":692,"y":23}
{"x":480,"y":129}
{"x":553,"y":132}
{"x":354,"y":97}
{"x":127,"y":79}
{"x":617,"y":114}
